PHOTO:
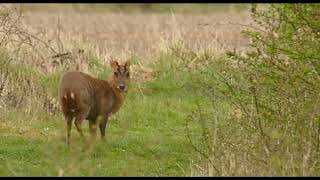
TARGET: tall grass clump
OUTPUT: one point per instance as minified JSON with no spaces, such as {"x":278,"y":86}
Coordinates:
{"x":264,"y":117}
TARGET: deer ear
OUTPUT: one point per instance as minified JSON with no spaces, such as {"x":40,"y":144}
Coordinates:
{"x":127,"y":65}
{"x":114,"y":65}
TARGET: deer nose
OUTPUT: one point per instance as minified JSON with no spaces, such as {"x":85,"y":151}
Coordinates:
{"x":121,"y":86}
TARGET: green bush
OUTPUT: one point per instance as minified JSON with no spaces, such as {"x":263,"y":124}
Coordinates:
{"x":271,"y":125}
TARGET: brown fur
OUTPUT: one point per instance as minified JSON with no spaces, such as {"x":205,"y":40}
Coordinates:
{"x":84,"y":97}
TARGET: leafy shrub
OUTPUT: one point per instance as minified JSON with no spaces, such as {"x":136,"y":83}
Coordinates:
{"x":271,"y":125}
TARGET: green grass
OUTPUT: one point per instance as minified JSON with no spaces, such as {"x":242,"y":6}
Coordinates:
{"x":147,"y":137}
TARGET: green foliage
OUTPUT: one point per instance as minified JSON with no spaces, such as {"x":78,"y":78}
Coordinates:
{"x":273,"y":95}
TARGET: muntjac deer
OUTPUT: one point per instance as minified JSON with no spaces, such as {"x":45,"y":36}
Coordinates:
{"x":84,"y":97}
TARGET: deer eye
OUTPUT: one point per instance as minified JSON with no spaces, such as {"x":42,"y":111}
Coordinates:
{"x":116,"y":73}
{"x":127,"y":74}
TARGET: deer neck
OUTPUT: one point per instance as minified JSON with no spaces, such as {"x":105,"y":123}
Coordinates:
{"x":119,"y":97}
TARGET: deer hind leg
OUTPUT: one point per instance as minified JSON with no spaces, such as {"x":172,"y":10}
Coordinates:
{"x":93,"y":129}
{"x":102,"y":126}
{"x":78,"y":123}
{"x":68,"y":128}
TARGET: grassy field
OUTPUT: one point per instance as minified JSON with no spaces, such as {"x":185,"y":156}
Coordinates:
{"x":191,"y":109}
{"x":148,"y":137}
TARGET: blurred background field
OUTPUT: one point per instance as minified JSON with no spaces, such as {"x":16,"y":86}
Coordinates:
{"x":139,"y":7}
{"x":143,"y":32}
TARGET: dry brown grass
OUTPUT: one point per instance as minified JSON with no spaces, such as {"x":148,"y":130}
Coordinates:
{"x":94,"y":37}
{"x":144,"y":35}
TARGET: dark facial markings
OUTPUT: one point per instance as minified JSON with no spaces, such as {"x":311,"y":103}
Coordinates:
{"x":121,"y":72}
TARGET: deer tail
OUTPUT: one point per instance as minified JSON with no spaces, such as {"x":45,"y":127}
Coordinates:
{"x":69,"y":101}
